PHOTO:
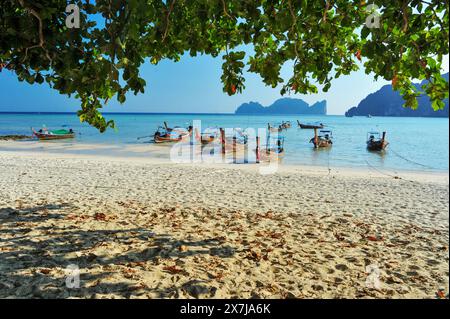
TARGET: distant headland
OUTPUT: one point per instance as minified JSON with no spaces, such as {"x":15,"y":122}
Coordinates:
{"x":387,"y":102}
{"x":284,"y":106}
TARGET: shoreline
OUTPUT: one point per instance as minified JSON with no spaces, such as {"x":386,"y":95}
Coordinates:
{"x":146,"y":229}
{"x":157,"y":154}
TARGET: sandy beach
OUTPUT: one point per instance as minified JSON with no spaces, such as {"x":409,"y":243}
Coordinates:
{"x":145,"y":228}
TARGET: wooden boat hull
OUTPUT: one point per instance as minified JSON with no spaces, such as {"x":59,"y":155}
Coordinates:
{"x":376,"y":145}
{"x":46,"y":137}
{"x":310,"y":127}
{"x":321,"y":143}
{"x":162,"y":139}
{"x":167,"y":139}
{"x":208,"y":139}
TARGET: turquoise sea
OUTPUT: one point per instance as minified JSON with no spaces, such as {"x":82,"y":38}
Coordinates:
{"x":416,"y":144}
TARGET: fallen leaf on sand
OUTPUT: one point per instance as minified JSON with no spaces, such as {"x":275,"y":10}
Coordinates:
{"x":254,"y":255}
{"x":182,"y":248}
{"x":100,"y":216}
{"x":374,"y":238}
{"x":275,"y":235}
{"x":173,"y":269}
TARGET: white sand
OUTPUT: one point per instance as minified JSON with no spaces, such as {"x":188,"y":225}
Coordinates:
{"x":139,"y":227}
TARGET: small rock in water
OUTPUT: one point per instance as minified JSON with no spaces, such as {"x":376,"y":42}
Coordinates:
{"x":14,"y":137}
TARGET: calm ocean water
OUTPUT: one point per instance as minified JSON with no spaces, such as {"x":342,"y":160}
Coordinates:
{"x":417,"y":144}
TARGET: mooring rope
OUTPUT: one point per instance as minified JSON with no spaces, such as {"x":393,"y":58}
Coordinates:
{"x":411,"y":161}
{"x":387,"y":174}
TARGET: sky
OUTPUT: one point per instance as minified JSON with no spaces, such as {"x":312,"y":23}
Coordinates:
{"x":191,"y":85}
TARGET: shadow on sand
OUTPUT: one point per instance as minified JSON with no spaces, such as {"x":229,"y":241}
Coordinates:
{"x":35,"y":250}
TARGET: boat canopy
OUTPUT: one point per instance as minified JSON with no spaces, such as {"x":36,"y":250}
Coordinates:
{"x":176,"y":132}
{"x":325,"y":134}
{"x":373,"y":135}
{"x":211,"y":131}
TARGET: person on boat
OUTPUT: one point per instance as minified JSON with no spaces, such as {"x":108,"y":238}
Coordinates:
{"x":70,"y":131}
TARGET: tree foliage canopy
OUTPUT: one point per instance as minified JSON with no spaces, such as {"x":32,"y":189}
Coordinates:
{"x":324,"y":38}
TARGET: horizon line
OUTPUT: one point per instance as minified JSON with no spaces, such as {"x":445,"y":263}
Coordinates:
{"x":162,"y":113}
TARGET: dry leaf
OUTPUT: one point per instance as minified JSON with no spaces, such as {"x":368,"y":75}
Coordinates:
{"x":100,"y":216}
{"x":374,"y":238}
{"x":173,"y":269}
{"x":440,"y":294}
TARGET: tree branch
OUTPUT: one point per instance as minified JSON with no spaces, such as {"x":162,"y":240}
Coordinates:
{"x":405,"y":16}
{"x":225,"y":10}
{"x":294,"y":23}
{"x":168,"y":19}
{"x":41,"y":32}
{"x":327,"y":7}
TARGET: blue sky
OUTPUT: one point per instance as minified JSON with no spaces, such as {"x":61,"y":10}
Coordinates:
{"x":191,"y":85}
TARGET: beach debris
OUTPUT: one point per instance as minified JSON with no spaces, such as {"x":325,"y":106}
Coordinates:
{"x":129,"y":273}
{"x":440,"y":294}
{"x":256,"y":255}
{"x":374,"y":238}
{"x":173,"y":270}
{"x":103,"y":217}
{"x":182,"y":248}
{"x":218,"y":276}
{"x":45,"y":271}
{"x":138,"y":286}
{"x":269,"y":234}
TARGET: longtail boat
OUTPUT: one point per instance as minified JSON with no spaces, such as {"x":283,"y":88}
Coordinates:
{"x":170,"y":135}
{"x":322,"y":139}
{"x":286,"y":125}
{"x":310,"y":126}
{"x":209,"y":135}
{"x":44,"y":134}
{"x":375,"y":142}
{"x":274,"y":149}
{"x":274,"y":129}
